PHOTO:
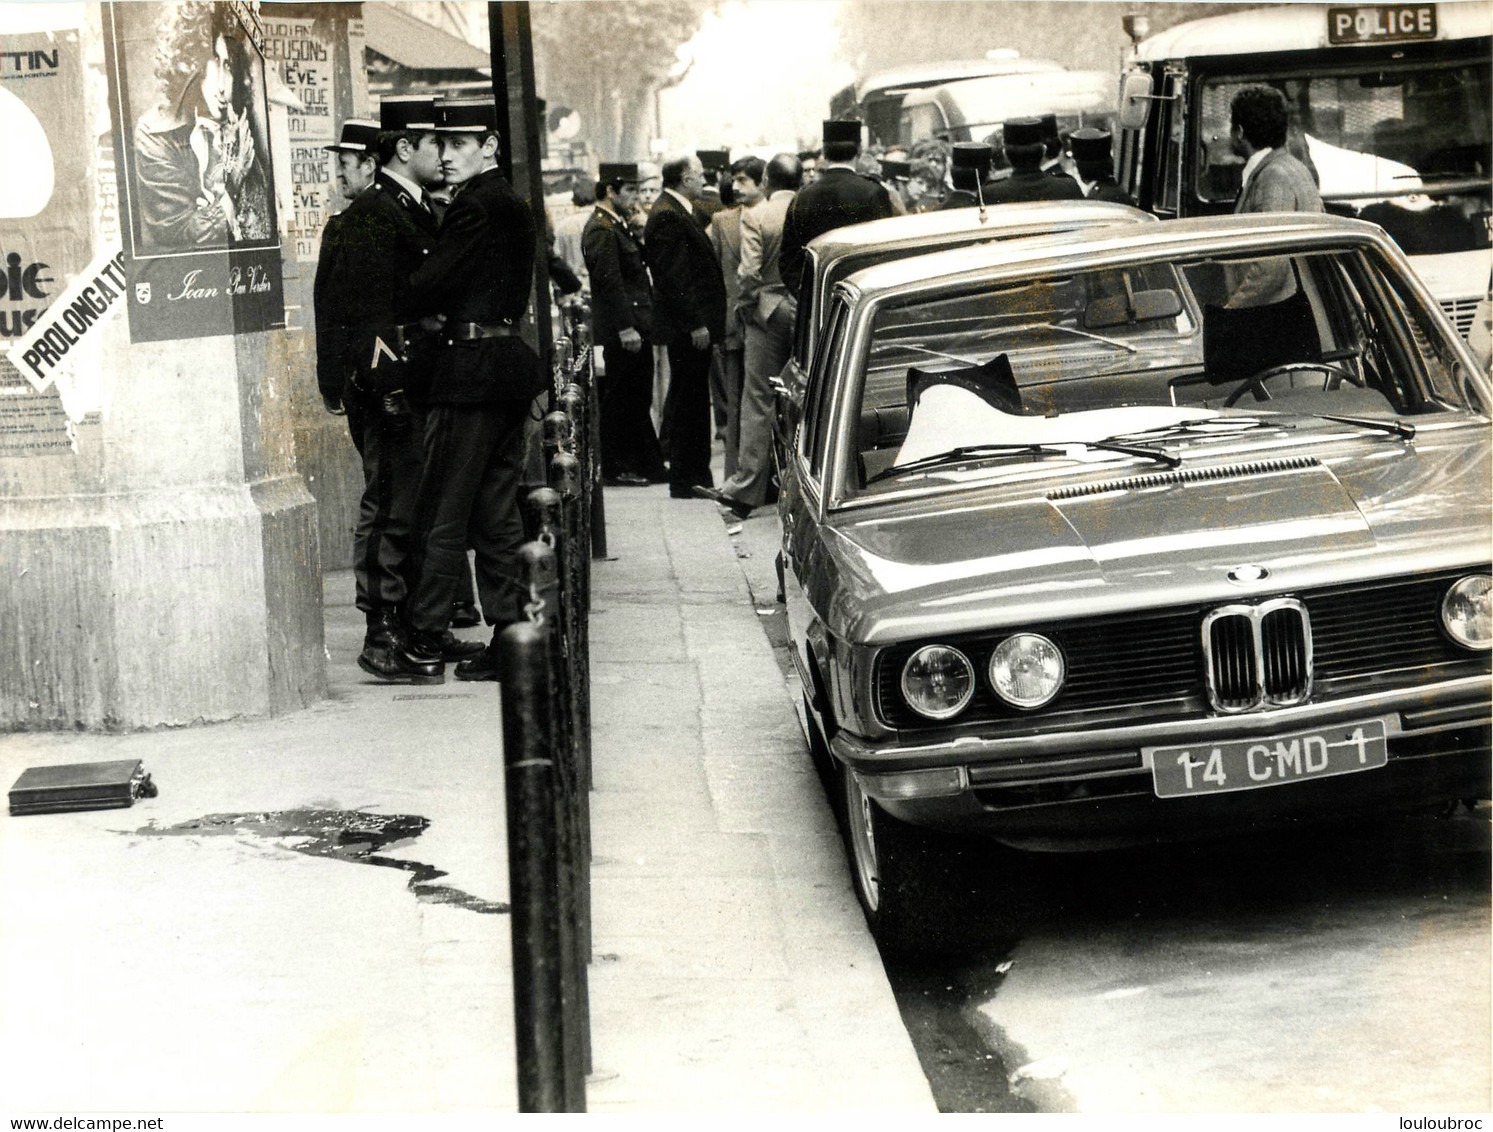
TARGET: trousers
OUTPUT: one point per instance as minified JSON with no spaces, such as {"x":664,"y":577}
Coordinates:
{"x":384,"y":539}
{"x":687,"y":417}
{"x":474,"y":458}
{"x":767,"y":351}
{"x":628,"y":442}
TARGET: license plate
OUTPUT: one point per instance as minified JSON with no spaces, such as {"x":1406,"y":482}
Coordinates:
{"x":1381,"y":23}
{"x":1252,"y":764}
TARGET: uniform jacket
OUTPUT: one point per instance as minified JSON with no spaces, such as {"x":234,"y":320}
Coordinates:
{"x":481,"y":270}
{"x":1032,"y":185}
{"x":688,"y":291}
{"x":620,"y":296}
{"x":332,"y":361}
{"x":1280,"y":183}
{"x":841,"y":196}
{"x":1108,"y":189}
{"x":959,"y":198}
{"x":384,"y":235}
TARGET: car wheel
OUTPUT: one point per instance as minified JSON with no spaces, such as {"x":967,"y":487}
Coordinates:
{"x":924,"y":892}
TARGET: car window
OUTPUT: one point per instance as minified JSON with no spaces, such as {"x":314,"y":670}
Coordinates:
{"x":813,"y":436}
{"x":803,"y":322}
{"x":1103,"y":352}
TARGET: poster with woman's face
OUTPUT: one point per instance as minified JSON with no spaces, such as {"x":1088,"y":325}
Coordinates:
{"x":187,"y":92}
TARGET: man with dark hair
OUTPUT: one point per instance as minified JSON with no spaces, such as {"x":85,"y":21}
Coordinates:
{"x":1022,"y":140}
{"x":1274,"y":180}
{"x":742,"y":191}
{"x":621,"y":320}
{"x":384,"y":235}
{"x":1093,"y":156}
{"x":769,"y":311}
{"x":839,"y":197}
{"x":476,"y":285}
{"x":689,"y":315}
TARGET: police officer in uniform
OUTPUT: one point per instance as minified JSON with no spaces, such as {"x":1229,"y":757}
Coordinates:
{"x":1025,"y":150}
{"x":357,"y":163}
{"x":384,"y":236}
{"x":839,"y":196}
{"x":1094,"y":157}
{"x":970,"y":169}
{"x":621,"y":320}
{"x":475,"y":284}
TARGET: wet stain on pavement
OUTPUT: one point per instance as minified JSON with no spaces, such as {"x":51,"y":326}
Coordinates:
{"x":343,"y":835}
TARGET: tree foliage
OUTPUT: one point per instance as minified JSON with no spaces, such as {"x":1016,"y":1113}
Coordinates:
{"x":606,"y":60}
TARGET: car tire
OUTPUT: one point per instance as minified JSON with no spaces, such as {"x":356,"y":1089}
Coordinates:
{"x":819,"y":755}
{"x":925,"y":892}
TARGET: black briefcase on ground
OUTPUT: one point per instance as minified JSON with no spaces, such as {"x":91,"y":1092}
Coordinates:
{"x":80,"y":786}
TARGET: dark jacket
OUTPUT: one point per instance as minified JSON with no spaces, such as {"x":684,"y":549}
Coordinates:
{"x":620,"y":297}
{"x":481,"y":270}
{"x":383,"y":236}
{"x":1032,"y":184}
{"x":688,"y":291}
{"x":333,"y":362}
{"x":1108,"y":189}
{"x":839,"y":197}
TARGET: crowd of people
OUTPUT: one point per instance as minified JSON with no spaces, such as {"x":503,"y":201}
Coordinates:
{"x":694,"y":268}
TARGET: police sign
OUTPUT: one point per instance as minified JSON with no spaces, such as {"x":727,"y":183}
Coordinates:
{"x":1381,"y":23}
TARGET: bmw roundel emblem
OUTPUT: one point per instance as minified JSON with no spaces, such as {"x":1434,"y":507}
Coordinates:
{"x":1248,"y":573}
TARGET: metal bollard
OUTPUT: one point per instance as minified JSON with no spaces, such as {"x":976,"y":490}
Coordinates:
{"x":533,"y":873}
{"x":540,"y":564}
{"x":559,"y":433}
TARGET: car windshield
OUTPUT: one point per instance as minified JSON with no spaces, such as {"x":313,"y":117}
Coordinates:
{"x":1124,"y":362}
{"x":1408,"y":149}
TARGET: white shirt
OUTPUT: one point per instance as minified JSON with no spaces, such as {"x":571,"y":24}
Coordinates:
{"x":1251,"y":165}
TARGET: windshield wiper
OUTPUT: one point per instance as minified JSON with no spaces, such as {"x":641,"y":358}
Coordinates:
{"x":999,"y":330}
{"x":963,"y":452}
{"x":1398,"y":427}
{"x":1140,"y":450}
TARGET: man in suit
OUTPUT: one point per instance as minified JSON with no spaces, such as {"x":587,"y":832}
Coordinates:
{"x":1022,"y":139}
{"x":970,"y":169}
{"x":1274,"y":181}
{"x":621,"y":320}
{"x":385,"y":235}
{"x":741,"y":189}
{"x":689,"y":316}
{"x":769,"y":312}
{"x":475,"y":284}
{"x":839,"y":196}
{"x":1093,"y":156}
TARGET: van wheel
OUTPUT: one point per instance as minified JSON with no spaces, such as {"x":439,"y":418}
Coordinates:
{"x":924,"y":892}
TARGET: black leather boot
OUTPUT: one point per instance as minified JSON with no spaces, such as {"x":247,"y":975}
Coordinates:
{"x":483,"y":666}
{"x":385,"y":630}
{"x":444,"y":645}
{"x":393,"y":665}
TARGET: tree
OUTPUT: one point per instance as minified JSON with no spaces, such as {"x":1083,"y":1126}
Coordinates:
{"x":606,"y":60}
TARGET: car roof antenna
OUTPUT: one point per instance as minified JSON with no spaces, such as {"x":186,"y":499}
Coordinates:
{"x":980,"y":196}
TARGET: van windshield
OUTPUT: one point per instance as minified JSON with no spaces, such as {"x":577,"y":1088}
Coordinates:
{"x":1410,"y":149}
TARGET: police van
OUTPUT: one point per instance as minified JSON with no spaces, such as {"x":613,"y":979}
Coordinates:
{"x":1389,"y":104}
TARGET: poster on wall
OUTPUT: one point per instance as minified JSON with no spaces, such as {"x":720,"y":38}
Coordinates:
{"x":44,"y":220}
{"x":187,"y":92}
{"x":304,"y":51}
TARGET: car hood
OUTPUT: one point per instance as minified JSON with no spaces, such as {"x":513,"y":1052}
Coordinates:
{"x":1312,"y":514}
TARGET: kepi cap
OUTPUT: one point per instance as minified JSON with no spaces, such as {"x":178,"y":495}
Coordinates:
{"x":359,"y":135}
{"x":1021,"y":131}
{"x":407,"y":112}
{"x":1049,"y":127}
{"x":971,"y":155}
{"x":714,"y":160}
{"x":893,"y":169}
{"x":842,"y":130}
{"x":466,"y":116}
{"x":1090,"y":145}
{"x":618,"y":173}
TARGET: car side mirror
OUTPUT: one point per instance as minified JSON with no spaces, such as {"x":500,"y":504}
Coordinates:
{"x":1122,"y":310}
{"x":1135,"y":99}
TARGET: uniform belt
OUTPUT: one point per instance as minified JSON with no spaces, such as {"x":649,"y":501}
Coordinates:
{"x":471,"y":331}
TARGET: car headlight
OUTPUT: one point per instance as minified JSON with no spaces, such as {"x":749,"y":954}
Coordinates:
{"x":938,"y":681}
{"x":1026,"y":670}
{"x":1467,"y":612}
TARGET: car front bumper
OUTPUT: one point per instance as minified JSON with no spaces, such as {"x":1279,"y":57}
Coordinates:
{"x":1089,"y":789}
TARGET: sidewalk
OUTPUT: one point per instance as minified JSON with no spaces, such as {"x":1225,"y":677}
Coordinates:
{"x":250,"y":962}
